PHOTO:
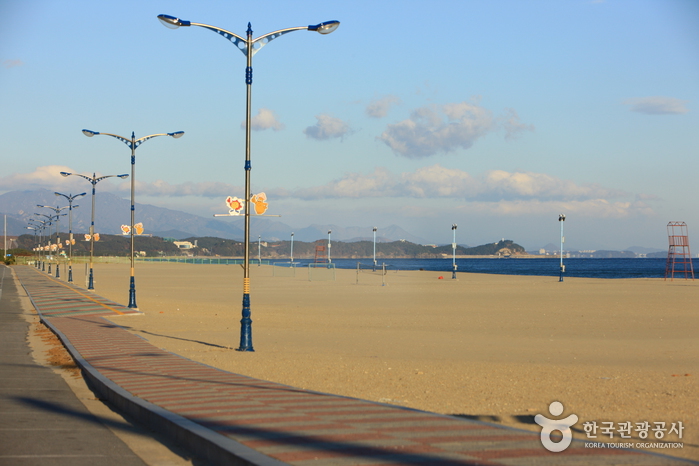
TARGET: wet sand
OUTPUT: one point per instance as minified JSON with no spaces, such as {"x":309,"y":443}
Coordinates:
{"x":491,"y":347}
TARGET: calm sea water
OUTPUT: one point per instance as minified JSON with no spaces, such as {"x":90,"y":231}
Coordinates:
{"x":574,"y":267}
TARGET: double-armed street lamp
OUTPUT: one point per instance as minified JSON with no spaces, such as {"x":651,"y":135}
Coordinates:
{"x":70,"y":198}
{"x":133,"y":143}
{"x":39,"y":226}
{"x":561,"y":220}
{"x":48,"y":222}
{"x":94,"y":179}
{"x":453,"y":251}
{"x":58,"y":241}
{"x":35,"y":228}
{"x":248,"y":46}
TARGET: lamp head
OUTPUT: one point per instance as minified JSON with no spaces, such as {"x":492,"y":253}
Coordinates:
{"x":123,"y":177}
{"x":562,"y":218}
{"x":325,"y":28}
{"x":65,"y":173}
{"x":89,"y":133}
{"x":176,"y":134}
{"x":172,"y":22}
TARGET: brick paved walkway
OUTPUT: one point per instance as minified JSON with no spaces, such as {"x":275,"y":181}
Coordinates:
{"x":230,"y":417}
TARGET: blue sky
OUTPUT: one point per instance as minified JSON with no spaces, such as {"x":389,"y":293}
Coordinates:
{"x":495,"y":115}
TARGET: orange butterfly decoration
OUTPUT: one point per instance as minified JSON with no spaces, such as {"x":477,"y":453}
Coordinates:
{"x":261,"y":204}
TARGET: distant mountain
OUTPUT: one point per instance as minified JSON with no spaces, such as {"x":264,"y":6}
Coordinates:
{"x":112,"y":211}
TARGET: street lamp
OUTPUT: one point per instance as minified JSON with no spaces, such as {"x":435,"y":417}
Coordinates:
{"x":561,"y":219}
{"x":292,"y":249}
{"x":58,"y":241}
{"x":453,"y":251}
{"x":133,"y":144}
{"x":259,"y":250}
{"x":329,"y":260}
{"x":374,"y":249}
{"x":70,"y":198}
{"x":34,"y":228}
{"x":248,"y":46}
{"x":40,"y":227}
{"x":48,"y":222}
{"x":94,"y":179}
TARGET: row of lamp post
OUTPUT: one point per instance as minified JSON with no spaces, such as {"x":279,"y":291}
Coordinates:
{"x":248,"y":46}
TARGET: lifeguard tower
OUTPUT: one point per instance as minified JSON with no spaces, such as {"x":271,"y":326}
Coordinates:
{"x":679,"y":258}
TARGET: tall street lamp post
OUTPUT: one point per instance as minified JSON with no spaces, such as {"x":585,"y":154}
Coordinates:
{"x":374,"y":249}
{"x":34,"y":228}
{"x":48,"y":222}
{"x":39,"y":226}
{"x":453,"y":251}
{"x":561,"y":220}
{"x":94,"y":179}
{"x":70,"y":198}
{"x":291,"y":256}
{"x":329,"y":260}
{"x":248,"y":46}
{"x":58,"y":241}
{"x":133,"y":143}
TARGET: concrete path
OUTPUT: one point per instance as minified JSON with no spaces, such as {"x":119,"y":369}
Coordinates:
{"x":41,"y":419}
{"x":234,"y":419}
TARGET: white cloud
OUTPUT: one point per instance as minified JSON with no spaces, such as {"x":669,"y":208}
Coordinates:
{"x":512,"y":125}
{"x":49,"y":177}
{"x":208,"y":189}
{"x":439,"y":182}
{"x":380,"y":183}
{"x":265,"y":119}
{"x":378,"y":108}
{"x":327,"y":127}
{"x":445,"y":128}
{"x":657,"y":105}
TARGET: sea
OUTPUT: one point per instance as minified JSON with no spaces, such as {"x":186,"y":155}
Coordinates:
{"x":574,"y":267}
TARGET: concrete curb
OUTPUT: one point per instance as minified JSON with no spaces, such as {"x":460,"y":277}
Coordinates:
{"x":199,"y":440}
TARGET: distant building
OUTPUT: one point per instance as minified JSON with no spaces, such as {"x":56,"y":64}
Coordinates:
{"x":184,"y":244}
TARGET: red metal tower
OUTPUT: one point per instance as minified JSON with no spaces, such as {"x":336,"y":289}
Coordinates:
{"x":321,"y":252}
{"x":679,"y":258}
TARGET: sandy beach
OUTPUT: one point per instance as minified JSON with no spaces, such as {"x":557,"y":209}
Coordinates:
{"x":491,"y":347}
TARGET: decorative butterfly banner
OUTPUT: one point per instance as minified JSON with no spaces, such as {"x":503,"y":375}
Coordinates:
{"x":138,"y":229}
{"x":236,"y":206}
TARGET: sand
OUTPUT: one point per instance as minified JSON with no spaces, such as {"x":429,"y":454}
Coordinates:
{"x":491,"y":347}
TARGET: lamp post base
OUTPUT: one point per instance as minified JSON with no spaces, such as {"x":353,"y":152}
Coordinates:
{"x":91,"y":282}
{"x":246,"y":326}
{"x":70,"y":274}
{"x":49,"y":272}
{"x":132,"y":294}
{"x":58,"y":271}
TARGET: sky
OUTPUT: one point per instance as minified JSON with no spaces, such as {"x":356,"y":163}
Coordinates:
{"x":496,"y":115}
